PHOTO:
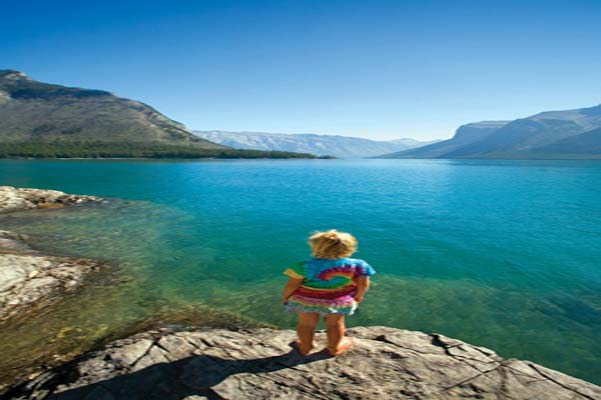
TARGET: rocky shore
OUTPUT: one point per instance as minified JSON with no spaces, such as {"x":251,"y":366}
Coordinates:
{"x":30,"y":279}
{"x":176,"y":360}
{"x":17,"y":199}
{"x":385,"y":363}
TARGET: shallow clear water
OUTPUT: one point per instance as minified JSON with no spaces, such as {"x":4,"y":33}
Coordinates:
{"x":503,"y":254}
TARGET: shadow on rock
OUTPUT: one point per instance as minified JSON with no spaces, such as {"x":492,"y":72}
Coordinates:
{"x":191,"y":376}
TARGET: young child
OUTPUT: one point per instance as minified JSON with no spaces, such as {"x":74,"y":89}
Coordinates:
{"x":329,"y":284}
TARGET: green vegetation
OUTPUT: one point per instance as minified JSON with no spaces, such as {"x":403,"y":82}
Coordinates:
{"x":81,"y":149}
{"x":43,"y":120}
{"x":32,"y":111}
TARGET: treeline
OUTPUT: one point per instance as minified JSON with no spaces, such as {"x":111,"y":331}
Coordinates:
{"x":129,"y":150}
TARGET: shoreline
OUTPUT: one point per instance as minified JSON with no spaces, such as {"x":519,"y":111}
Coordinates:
{"x":406,"y":358}
{"x":175,"y":159}
{"x":34,"y":282}
{"x":37,"y":284}
{"x":597,"y":159}
{"x":29,"y":278}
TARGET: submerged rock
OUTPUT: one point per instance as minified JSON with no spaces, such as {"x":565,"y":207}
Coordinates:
{"x":384,"y":363}
{"x":30,"y":279}
{"x":16,"y":199}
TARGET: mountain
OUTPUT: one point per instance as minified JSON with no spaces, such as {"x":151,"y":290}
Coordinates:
{"x":584,"y":143}
{"x":465,"y":135}
{"x":333,"y":145}
{"x":411,"y":143}
{"x":42,"y":119}
{"x":553,"y":134}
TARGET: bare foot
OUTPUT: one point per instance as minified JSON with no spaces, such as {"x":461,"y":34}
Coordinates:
{"x":344,"y":345}
{"x":303,"y":350}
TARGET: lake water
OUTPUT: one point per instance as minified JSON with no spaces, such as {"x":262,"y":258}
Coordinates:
{"x":502,"y":254}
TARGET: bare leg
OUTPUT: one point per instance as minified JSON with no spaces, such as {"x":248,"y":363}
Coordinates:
{"x":337,"y":343}
{"x":305,"y":331}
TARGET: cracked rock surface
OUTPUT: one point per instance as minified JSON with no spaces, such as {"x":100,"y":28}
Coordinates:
{"x":384,"y":363}
{"x":16,"y":199}
{"x":29,"y":278}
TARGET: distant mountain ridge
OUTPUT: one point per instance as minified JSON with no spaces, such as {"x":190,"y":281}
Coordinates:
{"x":45,"y":120}
{"x":333,"y":145}
{"x":569,"y":134}
{"x":42,"y":111}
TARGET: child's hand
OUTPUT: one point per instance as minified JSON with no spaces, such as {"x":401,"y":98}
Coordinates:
{"x":362,"y":286}
{"x":290,"y":288}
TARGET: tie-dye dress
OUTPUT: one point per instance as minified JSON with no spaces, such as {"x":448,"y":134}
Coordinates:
{"x":328,"y":285}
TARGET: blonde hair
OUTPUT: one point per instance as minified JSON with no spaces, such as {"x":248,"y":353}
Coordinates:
{"x":332,"y":244}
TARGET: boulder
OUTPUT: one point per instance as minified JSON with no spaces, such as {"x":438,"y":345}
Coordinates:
{"x":16,"y":199}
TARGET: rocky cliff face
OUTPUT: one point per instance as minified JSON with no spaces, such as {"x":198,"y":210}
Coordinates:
{"x":465,"y":135}
{"x":385,"y":363}
{"x":565,"y":134}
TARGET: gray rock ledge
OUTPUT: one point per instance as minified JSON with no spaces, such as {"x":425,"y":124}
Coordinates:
{"x":16,"y":199}
{"x":30,"y":279}
{"x":385,"y":363}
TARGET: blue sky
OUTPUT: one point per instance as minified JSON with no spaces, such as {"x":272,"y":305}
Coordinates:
{"x":379,"y":69}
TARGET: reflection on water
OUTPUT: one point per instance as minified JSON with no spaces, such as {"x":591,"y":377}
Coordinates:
{"x":494,"y":254}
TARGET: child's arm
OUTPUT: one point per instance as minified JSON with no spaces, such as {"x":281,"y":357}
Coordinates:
{"x":290,"y":288}
{"x":362,"y":286}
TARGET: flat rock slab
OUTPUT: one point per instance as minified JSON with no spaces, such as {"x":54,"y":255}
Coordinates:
{"x":17,"y":199}
{"x":29,"y":278}
{"x":384,"y":363}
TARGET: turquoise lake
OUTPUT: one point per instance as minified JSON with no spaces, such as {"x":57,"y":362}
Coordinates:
{"x":502,"y":254}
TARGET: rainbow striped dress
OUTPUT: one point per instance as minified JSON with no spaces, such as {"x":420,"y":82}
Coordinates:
{"x":328,"y":285}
